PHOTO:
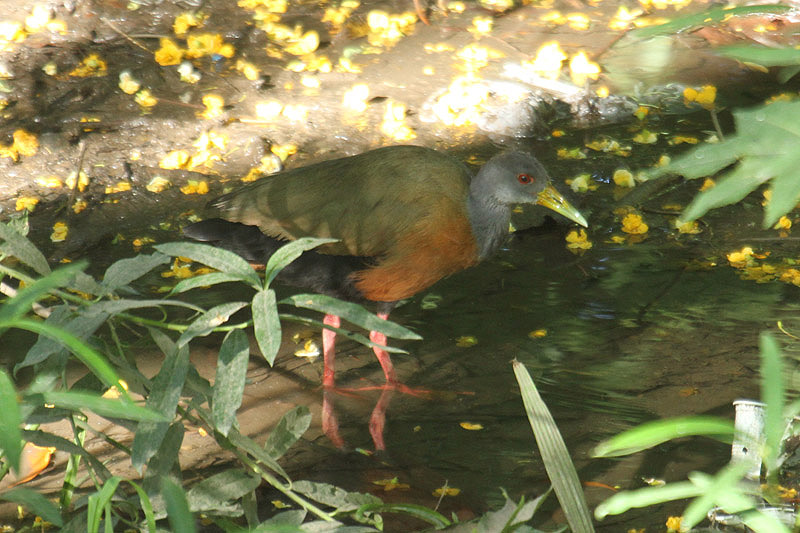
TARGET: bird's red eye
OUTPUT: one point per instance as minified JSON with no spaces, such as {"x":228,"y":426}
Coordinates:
{"x":525,"y":179}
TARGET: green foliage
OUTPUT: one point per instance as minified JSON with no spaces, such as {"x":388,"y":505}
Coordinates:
{"x":75,"y":327}
{"x":555,"y":455}
{"x":727,"y":489}
{"x":763,"y":150}
{"x":704,"y":18}
{"x":71,"y":330}
{"x":658,"y":432}
{"x":789,"y":58}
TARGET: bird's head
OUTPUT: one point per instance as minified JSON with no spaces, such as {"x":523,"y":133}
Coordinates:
{"x":518,"y":178}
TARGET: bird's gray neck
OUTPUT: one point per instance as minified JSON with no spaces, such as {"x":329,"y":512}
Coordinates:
{"x":489,"y":219}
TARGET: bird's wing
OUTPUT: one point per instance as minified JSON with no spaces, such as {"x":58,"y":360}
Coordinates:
{"x":371,"y":202}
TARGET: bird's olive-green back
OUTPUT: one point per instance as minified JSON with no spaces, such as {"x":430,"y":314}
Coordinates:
{"x":368,"y":201}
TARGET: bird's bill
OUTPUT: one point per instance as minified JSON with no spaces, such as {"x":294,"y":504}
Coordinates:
{"x":552,"y":199}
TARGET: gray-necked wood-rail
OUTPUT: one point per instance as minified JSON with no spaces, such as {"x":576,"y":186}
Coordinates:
{"x":405,"y":217}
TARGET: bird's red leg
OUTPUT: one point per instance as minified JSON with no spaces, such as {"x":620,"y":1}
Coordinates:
{"x":330,"y":424}
{"x":329,"y":350}
{"x":377,"y":420}
{"x":383,"y":355}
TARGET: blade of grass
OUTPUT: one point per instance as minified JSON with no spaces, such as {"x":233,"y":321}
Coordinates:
{"x":10,"y":422}
{"x":774,"y":397}
{"x":656,"y":432}
{"x":180,"y":518}
{"x":555,"y":455}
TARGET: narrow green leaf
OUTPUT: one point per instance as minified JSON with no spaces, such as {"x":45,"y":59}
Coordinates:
{"x":113,"y":307}
{"x":746,"y":177}
{"x":110,"y":408}
{"x":288,"y":253}
{"x":705,"y":18}
{"x":164,"y":396}
{"x":208,"y":321}
{"x":338,"y":498}
{"x":702,"y":161}
{"x":290,"y":428}
{"x":234,"y":354}
{"x":718,"y":490}
{"x":437,"y":520}
{"x":17,"y":245}
{"x":785,"y":194}
{"x":35,"y":502}
{"x":25,"y":298}
{"x":125,"y":271}
{"x":266,"y":324}
{"x":773,"y":394}
{"x":180,"y":518}
{"x":341,"y":332}
{"x":10,"y":422}
{"x":215,"y":491}
{"x":656,"y":432}
{"x":633,"y":499}
{"x":165,"y":459}
{"x":248,"y":445}
{"x":787,"y":73}
{"x":555,"y":455}
{"x":98,"y":502}
{"x":146,"y":505}
{"x":762,"y":55}
{"x":204,"y":280}
{"x":63,"y":317}
{"x":93,"y":360}
{"x":217,"y":258}
{"x":353,"y":313}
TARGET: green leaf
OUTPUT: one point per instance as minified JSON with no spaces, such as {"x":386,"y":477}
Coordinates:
{"x":164,"y":395}
{"x":234,"y":354}
{"x":146,"y":505}
{"x":721,"y":490}
{"x":763,"y":149}
{"x":250,"y":446}
{"x":704,"y":18}
{"x":353,"y":313}
{"x":93,"y":360}
{"x":25,"y":298}
{"x":787,"y":73}
{"x":762,"y":55}
{"x":437,"y":520}
{"x":208,"y":321}
{"x":631,"y":499}
{"x":217,"y":258}
{"x":17,"y":245}
{"x":10,"y":422}
{"x":290,"y":428}
{"x":180,"y":518}
{"x":125,"y":271}
{"x":773,"y":394}
{"x":63,"y":318}
{"x":106,"y":407}
{"x":204,"y":280}
{"x":98,"y":503}
{"x":555,"y":455}
{"x":338,"y":498}
{"x":162,"y":463}
{"x":266,"y":324}
{"x":216,"y":491}
{"x":35,"y":502}
{"x":288,"y":253}
{"x":659,"y":431}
